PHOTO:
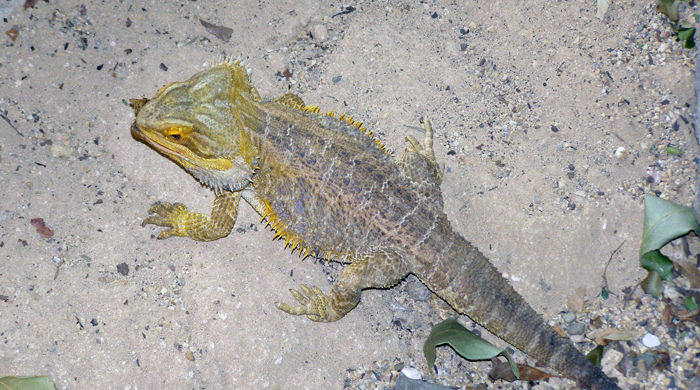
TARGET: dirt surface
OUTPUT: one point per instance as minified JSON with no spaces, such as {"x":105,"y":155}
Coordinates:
{"x":529,"y":101}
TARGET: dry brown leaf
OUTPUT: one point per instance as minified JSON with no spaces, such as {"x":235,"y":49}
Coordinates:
{"x":32,"y":3}
{"x":685,"y":315}
{"x":691,"y":272}
{"x":561,"y":331}
{"x":577,"y":300}
{"x":41,"y":228}
{"x":612,"y":334}
{"x":665,"y":313}
{"x":221,"y":32}
{"x":12,"y":33}
{"x":502,"y":370}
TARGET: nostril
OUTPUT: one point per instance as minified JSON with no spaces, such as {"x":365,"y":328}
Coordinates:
{"x":135,"y":131}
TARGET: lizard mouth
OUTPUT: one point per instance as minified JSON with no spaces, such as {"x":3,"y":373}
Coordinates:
{"x":184,"y":158}
{"x":140,"y":135}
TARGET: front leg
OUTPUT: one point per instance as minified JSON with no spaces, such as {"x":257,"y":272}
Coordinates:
{"x":199,"y":227}
{"x":380,"y":268}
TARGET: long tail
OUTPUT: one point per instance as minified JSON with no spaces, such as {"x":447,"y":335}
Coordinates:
{"x":464,"y":277}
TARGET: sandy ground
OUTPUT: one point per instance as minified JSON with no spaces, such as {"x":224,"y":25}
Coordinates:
{"x":529,"y":101}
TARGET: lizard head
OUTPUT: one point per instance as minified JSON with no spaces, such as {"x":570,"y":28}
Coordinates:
{"x":196,"y":123}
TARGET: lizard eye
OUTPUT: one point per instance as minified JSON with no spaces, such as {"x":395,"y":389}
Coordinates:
{"x":175,"y":134}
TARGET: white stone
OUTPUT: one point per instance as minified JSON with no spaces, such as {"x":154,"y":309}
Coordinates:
{"x":411,"y":373}
{"x":621,"y":153}
{"x":650,"y":341}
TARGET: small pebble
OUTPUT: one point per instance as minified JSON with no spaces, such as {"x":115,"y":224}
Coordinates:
{"x":569,"y":317}
{"x":411,"y":373}
{"x":123,"y":268}
{"x":650,"y":341}
{"x":576,"y":328}
{"x":621,"y":153}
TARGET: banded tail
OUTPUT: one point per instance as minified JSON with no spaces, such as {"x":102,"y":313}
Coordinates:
{"x":464,"y":278}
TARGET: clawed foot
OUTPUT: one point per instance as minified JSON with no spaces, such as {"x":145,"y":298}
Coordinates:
{"x":426,"y":150}
{"x":170,"y":215}
{"x":314,"y":304}
{"x":426,"y":153}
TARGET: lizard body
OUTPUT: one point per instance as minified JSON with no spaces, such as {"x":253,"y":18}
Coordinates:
{"x":329,"y":189}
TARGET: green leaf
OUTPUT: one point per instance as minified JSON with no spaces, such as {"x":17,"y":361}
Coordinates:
{"x":26,"y":383}
{"x":659,"y":263}
{"x":596,"y":355}
{"x":686,"y":34}
{"x":465,"y":343}
{"x":668,"y":8}
{"x":604,"y":293}
{"x":672,"y":150}
{"x":664,"y":221}
{"x":690,"y":303}
{"x":652,"y":284}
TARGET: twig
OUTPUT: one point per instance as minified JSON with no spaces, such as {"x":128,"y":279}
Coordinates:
{"x":58,"y":268}
{"x":10,"y":123}
{"x":605,"y":271}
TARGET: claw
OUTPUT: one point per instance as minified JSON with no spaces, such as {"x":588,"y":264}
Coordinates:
{"x":168,"y":215}
{"x":314,"y":304}
{"x":301,"y":298}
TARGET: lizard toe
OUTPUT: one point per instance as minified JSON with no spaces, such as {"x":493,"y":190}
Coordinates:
{"x":314,"y":304}
{"x":170,"y":215}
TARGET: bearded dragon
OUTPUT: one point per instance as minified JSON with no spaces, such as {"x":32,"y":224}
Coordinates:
{"x":329,"y":188}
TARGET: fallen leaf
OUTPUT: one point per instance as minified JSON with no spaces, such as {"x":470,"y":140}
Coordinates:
{"x":41,"y":228}
{"x":577,"y":300}
{"x":223,"y":33}
{"x":12,"y":33}
{"x":672,"y":150}
{"x":30,"y":3}
{"x":612,"y":334}
{"x":668,"y":8}
{"x":502,"y":370}
{"x":685,"y":315}
{"x":465,"y":343}
{"x":663,"y":221}
{"x":653,"y":284}
{"x":561,"y":331}
{"x":665,"y":313}
{"x":26,"y":383}
{"x":691,"y":272}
